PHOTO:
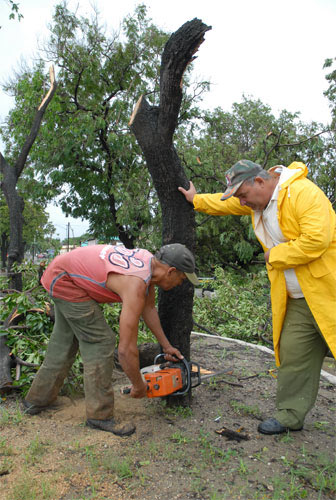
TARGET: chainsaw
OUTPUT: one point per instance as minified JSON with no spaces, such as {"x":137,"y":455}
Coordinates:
{"x":167,"y":378}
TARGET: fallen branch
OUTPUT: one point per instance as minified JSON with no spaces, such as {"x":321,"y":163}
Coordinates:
{"x":20,"y":361}
{"x":251,"y":376}
{"x":226,"y":382}
{"x":9,"y":387}
{"x":232,"y":435}
{"x":214,"y":334}
{"x":264,"y":339}
{"x":17,"y":327}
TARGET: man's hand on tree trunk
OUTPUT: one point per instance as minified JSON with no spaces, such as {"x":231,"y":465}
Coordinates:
{"x":188,"y":193}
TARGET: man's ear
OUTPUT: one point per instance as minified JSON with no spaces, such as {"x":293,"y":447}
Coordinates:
{"x":260,"y":181}
{"x":171,"y":269}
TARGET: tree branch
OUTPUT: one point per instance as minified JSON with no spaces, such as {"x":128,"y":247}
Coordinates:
{"x":178,"y":53}
{"x":20,"y":163}
{"x":277,"y":144}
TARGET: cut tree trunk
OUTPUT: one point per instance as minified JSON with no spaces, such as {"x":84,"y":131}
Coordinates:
{"x":153,"y":127}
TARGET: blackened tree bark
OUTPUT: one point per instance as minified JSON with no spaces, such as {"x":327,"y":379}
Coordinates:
{"x":10,"y":177}
{"x":4,"y":249}
{"x":5,"y":366}
{"x":153,"y":128}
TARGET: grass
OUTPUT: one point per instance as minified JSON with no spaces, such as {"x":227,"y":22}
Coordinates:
{"x":179,"y":438}
{"x":5,"y":448}
{"x":325,"y":427}
{"x":120,"y":468}
{"x":35,"y":451}
{"x":10,"y":417}
{"x":6,"y":466}
{"x":312,"y":471}
{"x":177,"y":411}
{"x":243,"y":409}
{"x":27,"y":487}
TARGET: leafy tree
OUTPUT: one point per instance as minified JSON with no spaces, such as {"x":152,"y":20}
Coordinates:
{"x":14,"y":10}
{"x":87,"y":147}
{"x":11,"y":169}
{"x":330,"y":93}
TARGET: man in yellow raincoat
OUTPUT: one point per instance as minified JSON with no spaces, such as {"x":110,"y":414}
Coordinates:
{"x":296,"y":225}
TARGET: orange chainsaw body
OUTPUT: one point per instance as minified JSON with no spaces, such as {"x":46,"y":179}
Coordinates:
{"x":163,"y":382}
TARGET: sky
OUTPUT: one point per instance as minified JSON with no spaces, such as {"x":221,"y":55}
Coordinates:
{"x":268,"y":49}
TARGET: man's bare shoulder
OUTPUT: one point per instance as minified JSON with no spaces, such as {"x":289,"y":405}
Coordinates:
{"x":125,"y":285}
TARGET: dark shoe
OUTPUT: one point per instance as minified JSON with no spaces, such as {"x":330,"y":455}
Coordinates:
{"x":32,"y":409}
{"x":111,"y":426}
{"x":272,"y":426}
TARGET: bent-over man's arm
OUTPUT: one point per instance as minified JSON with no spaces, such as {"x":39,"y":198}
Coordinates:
{"x":132,"y":291}
{"x":152,"y":320}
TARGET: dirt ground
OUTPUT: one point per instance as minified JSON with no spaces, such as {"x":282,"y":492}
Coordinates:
{"x":177,"y":453}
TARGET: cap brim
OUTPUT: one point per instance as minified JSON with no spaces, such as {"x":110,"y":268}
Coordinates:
{"x":231,"y":190}
{"x":192,"y":278}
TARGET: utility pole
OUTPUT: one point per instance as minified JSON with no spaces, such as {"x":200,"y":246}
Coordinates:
{"x":68,"y":236}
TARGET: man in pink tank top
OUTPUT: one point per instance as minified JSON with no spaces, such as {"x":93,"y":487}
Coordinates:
{"x":77,"y":282}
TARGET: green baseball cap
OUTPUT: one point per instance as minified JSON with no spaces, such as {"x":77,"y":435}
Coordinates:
{"x":179,"y":256}
{"x":236,"y":175}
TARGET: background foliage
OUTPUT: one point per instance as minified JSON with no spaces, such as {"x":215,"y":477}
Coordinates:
{"x":239,"y":306}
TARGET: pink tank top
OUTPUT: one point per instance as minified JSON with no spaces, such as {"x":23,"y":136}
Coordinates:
{"x":81,"y":274}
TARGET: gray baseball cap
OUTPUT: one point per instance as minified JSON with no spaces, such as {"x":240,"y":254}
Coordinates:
{"x":178,"y":255}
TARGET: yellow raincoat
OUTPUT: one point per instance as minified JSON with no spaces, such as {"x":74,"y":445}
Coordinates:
{"x":308,"y":221}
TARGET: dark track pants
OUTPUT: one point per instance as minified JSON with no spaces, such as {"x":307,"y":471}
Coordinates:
{"x":78,"y":325}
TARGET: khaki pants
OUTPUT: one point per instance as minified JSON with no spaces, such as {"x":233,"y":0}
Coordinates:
{"x":302,"y":350}
{"x":78,"y":325}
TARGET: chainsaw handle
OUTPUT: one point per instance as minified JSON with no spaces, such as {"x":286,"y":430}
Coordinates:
{"x":188,"y":386}
{"x":162,"y":355}
{"x":127,"y":390}
{"x":188,"y":374}
{"x":159,"y":356}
